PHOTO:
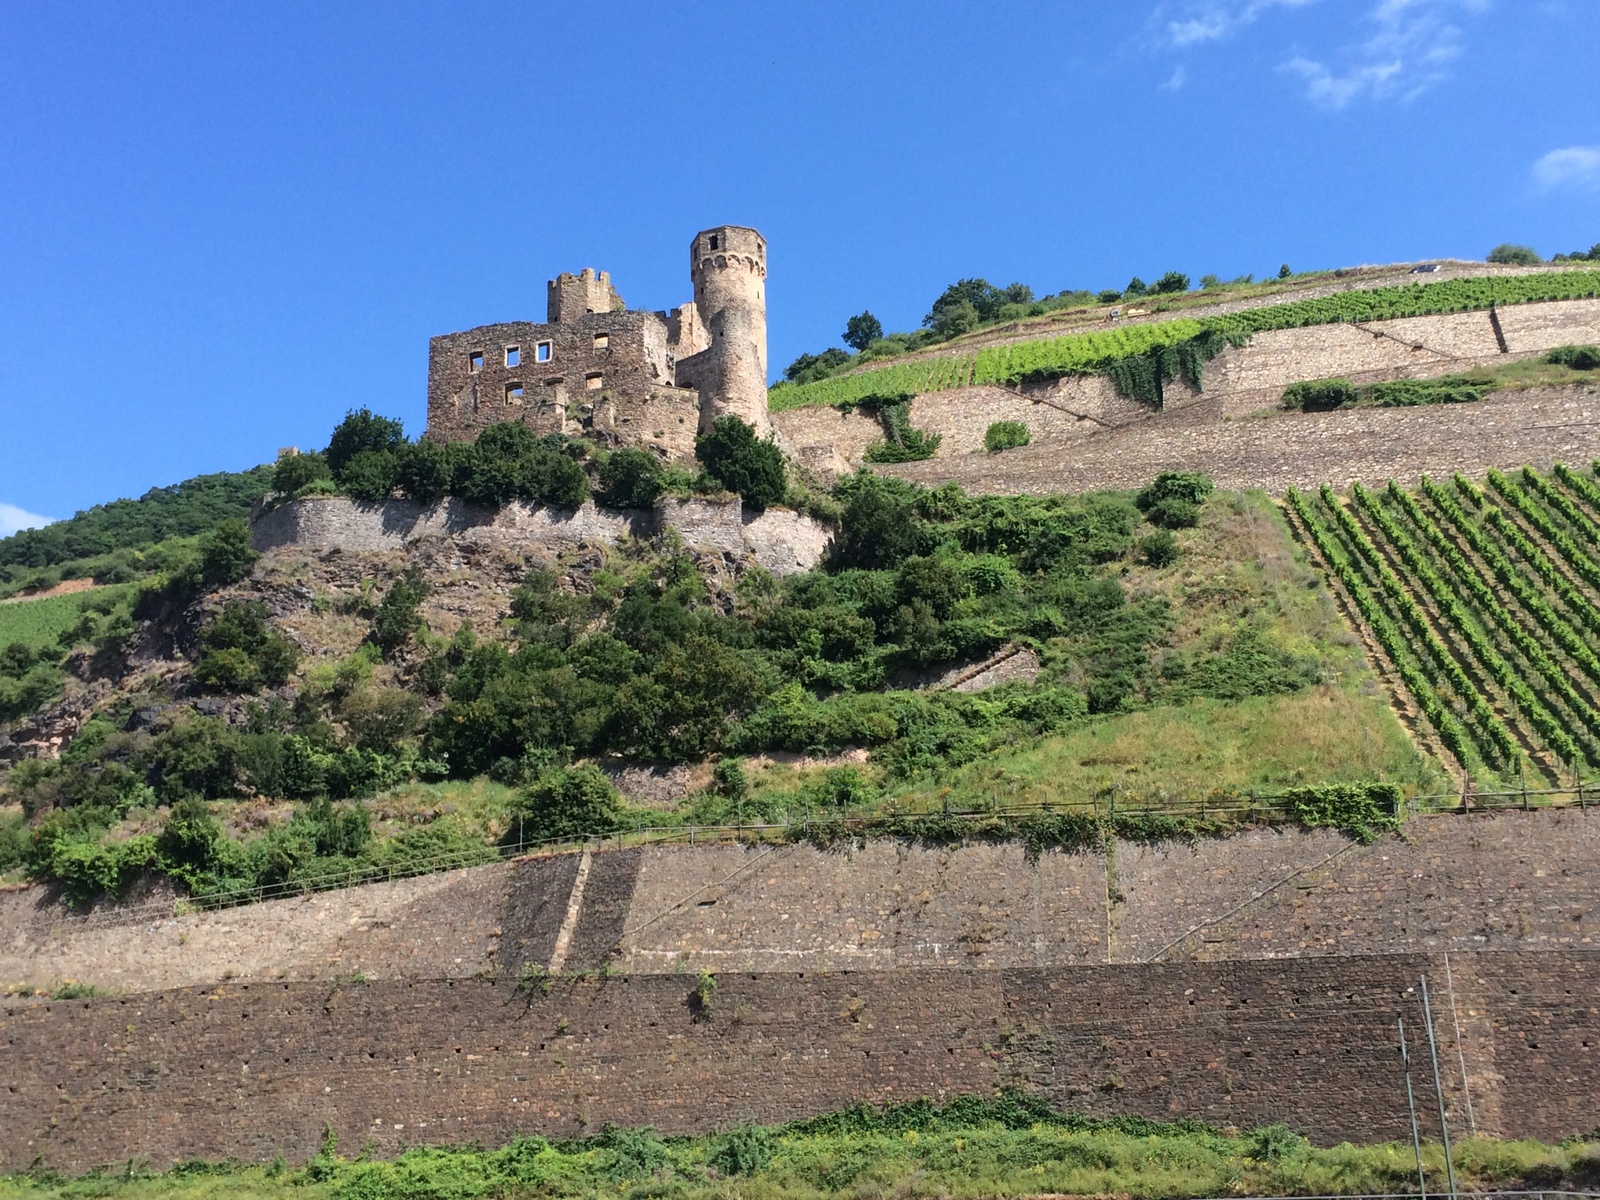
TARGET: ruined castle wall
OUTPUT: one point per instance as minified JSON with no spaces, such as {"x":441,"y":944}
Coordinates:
{"x":252,"y":1070}
{"x":620,"y":354}
{"x":780,"y":540}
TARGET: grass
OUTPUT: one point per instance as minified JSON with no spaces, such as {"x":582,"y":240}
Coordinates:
{"x":1265,"y":743}
{"x":863,"y":1153}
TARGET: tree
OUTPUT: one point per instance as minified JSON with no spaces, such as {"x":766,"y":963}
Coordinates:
{"x":361,"y":430}
{"x":294,"y":471}
{"x":1172,"y":281}
{"x":1284,"y":272}
{"x":735,"y":458}
{"x":861,"y":330}
{"x":566,"y":803}
{"x":225,"y":554}
{"x":1514,"y":255}
{"x":631,"y":478}
{"x":1136,"y":287}
{"x":967,"y":303}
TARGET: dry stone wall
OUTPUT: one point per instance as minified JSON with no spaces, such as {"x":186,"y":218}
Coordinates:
{"x":780,"y":540}
{"x":252,"y":1070}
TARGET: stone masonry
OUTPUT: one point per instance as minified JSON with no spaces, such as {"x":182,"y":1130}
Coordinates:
{"x":630,"y":378}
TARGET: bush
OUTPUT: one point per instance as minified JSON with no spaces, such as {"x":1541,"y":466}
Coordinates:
{"x":1579,"y":358}
{"x":901,"y":443}
{"x":737,"y":460}
{"x":1160,"y":549}
{"x":1521,"y":256}
{"x":1173,"y":512}
{"x":631,"y":479}
{"x":1192,"y":487}
{"x":1319,"y":395}
{"x":571,"y":802}
{"x":225,"y":553}
{"x":1172,"y":281}
{"x":397,"y":616}
{"x":243,"y":652}
{"x":370,"y":475}
{"x":1005,"y":435}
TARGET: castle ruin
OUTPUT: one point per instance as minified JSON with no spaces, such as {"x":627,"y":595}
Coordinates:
{"x":595,"y":368}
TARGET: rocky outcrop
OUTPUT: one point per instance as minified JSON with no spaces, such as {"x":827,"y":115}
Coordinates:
{"x":780,"y":540}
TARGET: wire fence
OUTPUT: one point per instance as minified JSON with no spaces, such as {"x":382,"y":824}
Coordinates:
{"x":1248,"y":809}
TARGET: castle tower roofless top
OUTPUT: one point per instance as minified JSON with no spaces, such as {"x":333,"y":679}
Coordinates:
{"x":569,"y":296}
{"x":728,"y":266}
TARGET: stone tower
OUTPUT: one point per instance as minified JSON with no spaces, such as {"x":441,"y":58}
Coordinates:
{"x":569,"y":297}
{"x":728,"y":265}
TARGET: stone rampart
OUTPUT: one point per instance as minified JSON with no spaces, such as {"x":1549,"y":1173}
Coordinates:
{"x":780,"y":540}
{"x":252,"y":1070}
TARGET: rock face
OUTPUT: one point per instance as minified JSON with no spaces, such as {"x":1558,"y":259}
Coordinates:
{"x":780,"y":540}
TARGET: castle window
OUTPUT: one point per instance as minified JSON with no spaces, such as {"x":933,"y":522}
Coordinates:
{"x":475,"y":361}
{"x":716,"y":242}
{"x":513,"y":393}
{"x":513,"y":355}
{"x":541,"y":352}
{"x":602,"y":340}
{"x":594,"y":382}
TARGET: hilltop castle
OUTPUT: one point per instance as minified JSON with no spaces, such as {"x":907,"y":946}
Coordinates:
{"x":629,"y":377}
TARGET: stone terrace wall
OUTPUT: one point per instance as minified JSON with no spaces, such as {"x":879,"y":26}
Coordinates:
{"x":778,"y":539}
{"x":1512,"y":881}
{"x":1533,"y":427}
{"x":1087,"y":436}
{"x":254,"y":1070}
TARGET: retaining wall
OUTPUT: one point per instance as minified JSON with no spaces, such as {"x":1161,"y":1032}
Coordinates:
{"x":254,"y":1070}
{"x":1510,"y":881}
{"x":1087,"y":436}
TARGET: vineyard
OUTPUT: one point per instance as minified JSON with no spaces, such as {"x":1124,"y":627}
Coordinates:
{"x":1104,"y":352}
{"x":1486,"y":600}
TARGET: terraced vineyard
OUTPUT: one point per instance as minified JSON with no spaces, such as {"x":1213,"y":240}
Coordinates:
{"x":1486,"y":600}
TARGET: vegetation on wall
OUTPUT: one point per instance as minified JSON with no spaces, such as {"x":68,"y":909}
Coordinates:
{"x":1013,"y":1144}
{"x":1141,"y":358}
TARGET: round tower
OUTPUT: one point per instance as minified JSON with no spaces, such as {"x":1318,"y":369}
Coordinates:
{"x":728,"y":265}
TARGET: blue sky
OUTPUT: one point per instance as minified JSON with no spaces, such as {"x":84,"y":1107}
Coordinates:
{"x":223,"y":225}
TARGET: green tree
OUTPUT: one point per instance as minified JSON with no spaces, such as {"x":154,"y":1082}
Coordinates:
{"x":1284,"y":272}
{"x":631,"y":478}
{"x":1514,"y":255}
{"x":569,"y":802}
{"x":225,"y":554}
{"x":1172,"y":281}
{"x":398,"y":615}
{"x":362,"y":430}
{"x":861,"y":330}
{"x":295,"y":471}
{"x":741,"y":462}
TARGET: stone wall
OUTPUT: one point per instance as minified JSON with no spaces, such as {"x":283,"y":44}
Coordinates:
{"x":780,"y":540}
{"x":1532,"y":427}
{"x":1087,"y":436}
{"x":252,"y":1070}
{"x":1454,"y":884}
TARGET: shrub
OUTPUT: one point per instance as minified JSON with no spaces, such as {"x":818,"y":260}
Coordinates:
{"x":397,"y":616}
{"x":1579,"y":358}
{"x":225,"y":553}
{"x":631,"y":478}
{"x":1192,"y":487}
{"x":1004,"y":435}
{"x":242,"y":652}
{"x":736,"y":459}
{"x":1319,"y":395}
{"x":1160,"y":549}
{"x":370,"y":475}
{"x":571,"y":802}
{"x":901,"y":443}
{"x":1172,"y":281}
{"x":1522,"y":256}
{"x":1173,"y":512}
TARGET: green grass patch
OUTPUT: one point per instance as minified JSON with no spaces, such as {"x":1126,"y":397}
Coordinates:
{"x":1007,"y":1146}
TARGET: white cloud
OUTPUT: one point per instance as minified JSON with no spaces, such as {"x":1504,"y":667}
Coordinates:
{"x":13,"y":518}
{"x":1573,"y":166}
{"x":1210,"y":20}
{"x":1409,"y":49}
{"x":1178,"y":79}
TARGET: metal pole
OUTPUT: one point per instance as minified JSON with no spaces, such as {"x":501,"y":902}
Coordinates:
{"x":1438,"y":1087}
{"x":1411,"y":1104}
